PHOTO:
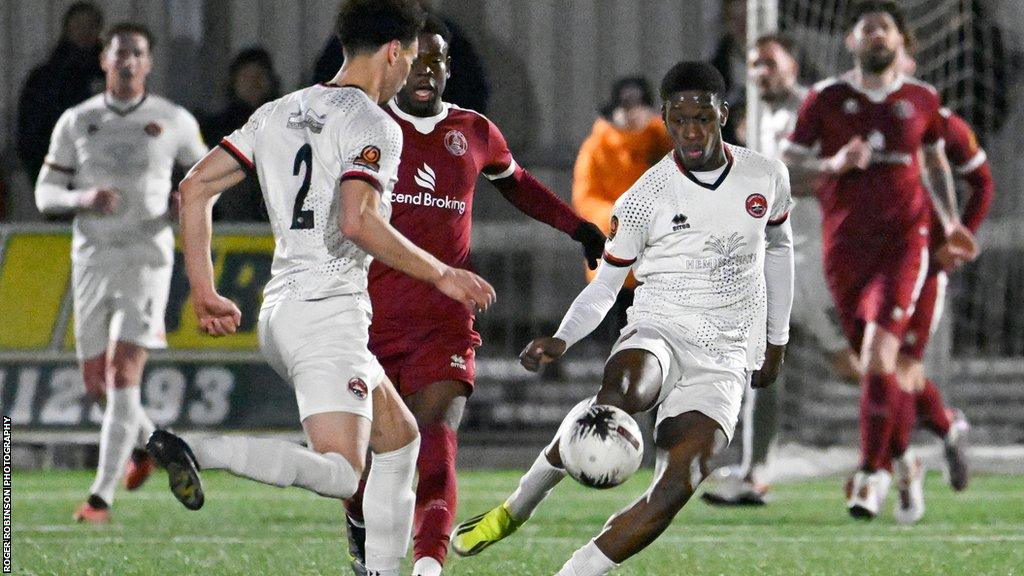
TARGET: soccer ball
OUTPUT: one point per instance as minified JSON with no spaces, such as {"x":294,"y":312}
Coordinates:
{"x":602,"y":448}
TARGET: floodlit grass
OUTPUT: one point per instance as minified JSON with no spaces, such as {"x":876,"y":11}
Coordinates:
{"x":250,"y":529}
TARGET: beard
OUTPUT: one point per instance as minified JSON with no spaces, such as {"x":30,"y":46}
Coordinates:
{"x":877,"y":61}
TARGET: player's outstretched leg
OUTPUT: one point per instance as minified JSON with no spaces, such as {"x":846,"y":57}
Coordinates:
{"x":632,"y":381}
{"x":388,"y":500}
{"x":685,"y":443}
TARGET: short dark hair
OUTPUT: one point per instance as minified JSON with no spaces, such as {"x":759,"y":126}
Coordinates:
{"x":433,"y":24}
{"x":785,"y":42}
{"x":859,"y":9}
{"x":82,"y":8}
{"x":126,"y":28}
{"x":692,"y":75}
{"x":366,"y":25}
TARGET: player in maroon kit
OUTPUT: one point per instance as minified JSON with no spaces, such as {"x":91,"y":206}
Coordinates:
{"x":424,"y":340}
{"x":871,"y":126}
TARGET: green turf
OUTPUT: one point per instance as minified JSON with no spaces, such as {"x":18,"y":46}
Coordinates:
{"x":249,"y":529}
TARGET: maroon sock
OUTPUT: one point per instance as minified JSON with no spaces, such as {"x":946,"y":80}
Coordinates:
{"x":878,"y":395}
{"x":904,"y":420}
{"x":436,"y":492}
{"x":931,"y":410}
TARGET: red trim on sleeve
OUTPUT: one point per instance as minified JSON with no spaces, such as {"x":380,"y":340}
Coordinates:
{"x":59,"y":168}
{"x":358,"y":175}
{"x":779,"y":220}
{"x":242,"y":158}
{"x":619,"y":262}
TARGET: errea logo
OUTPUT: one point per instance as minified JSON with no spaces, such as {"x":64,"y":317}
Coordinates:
{"x":458,"y":362}
{"x":679,"y":222}
{"x":425,"y":177}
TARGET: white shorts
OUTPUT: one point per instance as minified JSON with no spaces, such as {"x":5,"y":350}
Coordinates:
{"x":813,"y":309}
{"x":119,"y":299}
{"x":692,"y":380}
{"x":320,"y":348}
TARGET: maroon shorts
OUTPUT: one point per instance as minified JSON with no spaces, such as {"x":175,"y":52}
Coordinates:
{"x":416,"y":356}
{"x":877,"y":288}
{"x":927,"y":314}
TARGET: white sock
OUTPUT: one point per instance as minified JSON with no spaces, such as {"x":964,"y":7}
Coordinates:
{"x":426,"y":566}
{"x":278,"y":463}
{"x":587,"y":561}
{"x":388,"y":504}
{"x":117,"y":436}
{"x":146,"y":427}
{"x":542,"y":477}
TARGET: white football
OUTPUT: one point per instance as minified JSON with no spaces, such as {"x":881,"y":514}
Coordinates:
{"x":602,"y":448}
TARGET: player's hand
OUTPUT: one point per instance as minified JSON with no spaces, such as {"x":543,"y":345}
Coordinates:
{"x":855,"y":155}
{"x":541,"y":351}
{"x":774,"y":356}
{"x":102,"y":200}
{"x":960,"y":247}
{"x":592,"y":239}
{"x":217,"y":315}
{"x":466,"y":287}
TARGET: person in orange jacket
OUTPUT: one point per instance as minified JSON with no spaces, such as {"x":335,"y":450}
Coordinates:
{"x":628,"y":138}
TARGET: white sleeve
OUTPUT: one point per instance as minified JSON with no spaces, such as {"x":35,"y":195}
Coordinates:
{"x":782,"y":202}
{"x":371,"y":153}
{"x":241,"y":144}
{"x":53,"y":195}
{"x":191,"y":149}
{"x":52,"y":186}
{"x":778,"y":277}
{"x":630,"y":228}
{"x":590,"y":307}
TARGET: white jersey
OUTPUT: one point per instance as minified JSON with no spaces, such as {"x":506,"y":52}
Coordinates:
{"x":302,"y":146}
{"x":132,"y":150}
{"x":697,"y":250}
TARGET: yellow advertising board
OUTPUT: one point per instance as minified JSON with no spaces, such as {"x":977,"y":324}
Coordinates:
{"x":35,"y":290}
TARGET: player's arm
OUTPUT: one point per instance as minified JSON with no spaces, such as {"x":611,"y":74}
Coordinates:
{"x":585,"y":314}
{"x":55,"y":192}
{"x":799,"y":154}
{"x":535,"y":200}
{"x":215,"y":173}
{"x":360,"y":221}
{"x":778,"y":276}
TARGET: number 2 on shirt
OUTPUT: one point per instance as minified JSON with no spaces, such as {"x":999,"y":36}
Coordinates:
{"x":303,"y":219}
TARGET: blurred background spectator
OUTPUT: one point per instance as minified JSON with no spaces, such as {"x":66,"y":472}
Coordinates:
{"x":70,"y":75}
{"x":252,"y":82}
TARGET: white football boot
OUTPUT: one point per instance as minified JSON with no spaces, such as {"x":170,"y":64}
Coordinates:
{"x":866,"y":493}
{"x":909,"y":505}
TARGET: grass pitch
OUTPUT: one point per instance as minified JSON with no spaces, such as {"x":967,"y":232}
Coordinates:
{"x":250,"y":529}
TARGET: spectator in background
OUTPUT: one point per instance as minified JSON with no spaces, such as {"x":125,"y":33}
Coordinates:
{"x":730,"y":54}
{"x":628,"y":138}
{"x":467,"y":87}
{"x":71,"y":75}
{"x":252,"y":83}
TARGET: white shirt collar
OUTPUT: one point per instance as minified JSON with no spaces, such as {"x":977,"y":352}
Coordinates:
{"x":423,"y":125}
{"x":879,"y":94}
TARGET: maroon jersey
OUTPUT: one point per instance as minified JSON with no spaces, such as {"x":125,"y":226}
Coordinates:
{"x":885,"y":206}
{"x":432,"y":205}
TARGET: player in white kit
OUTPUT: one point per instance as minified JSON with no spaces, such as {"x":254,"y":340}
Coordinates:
{"x":110,"y":162}
{"x":773,"y":66}
{"x":706,"y":234}
{"x":327,"y":158}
